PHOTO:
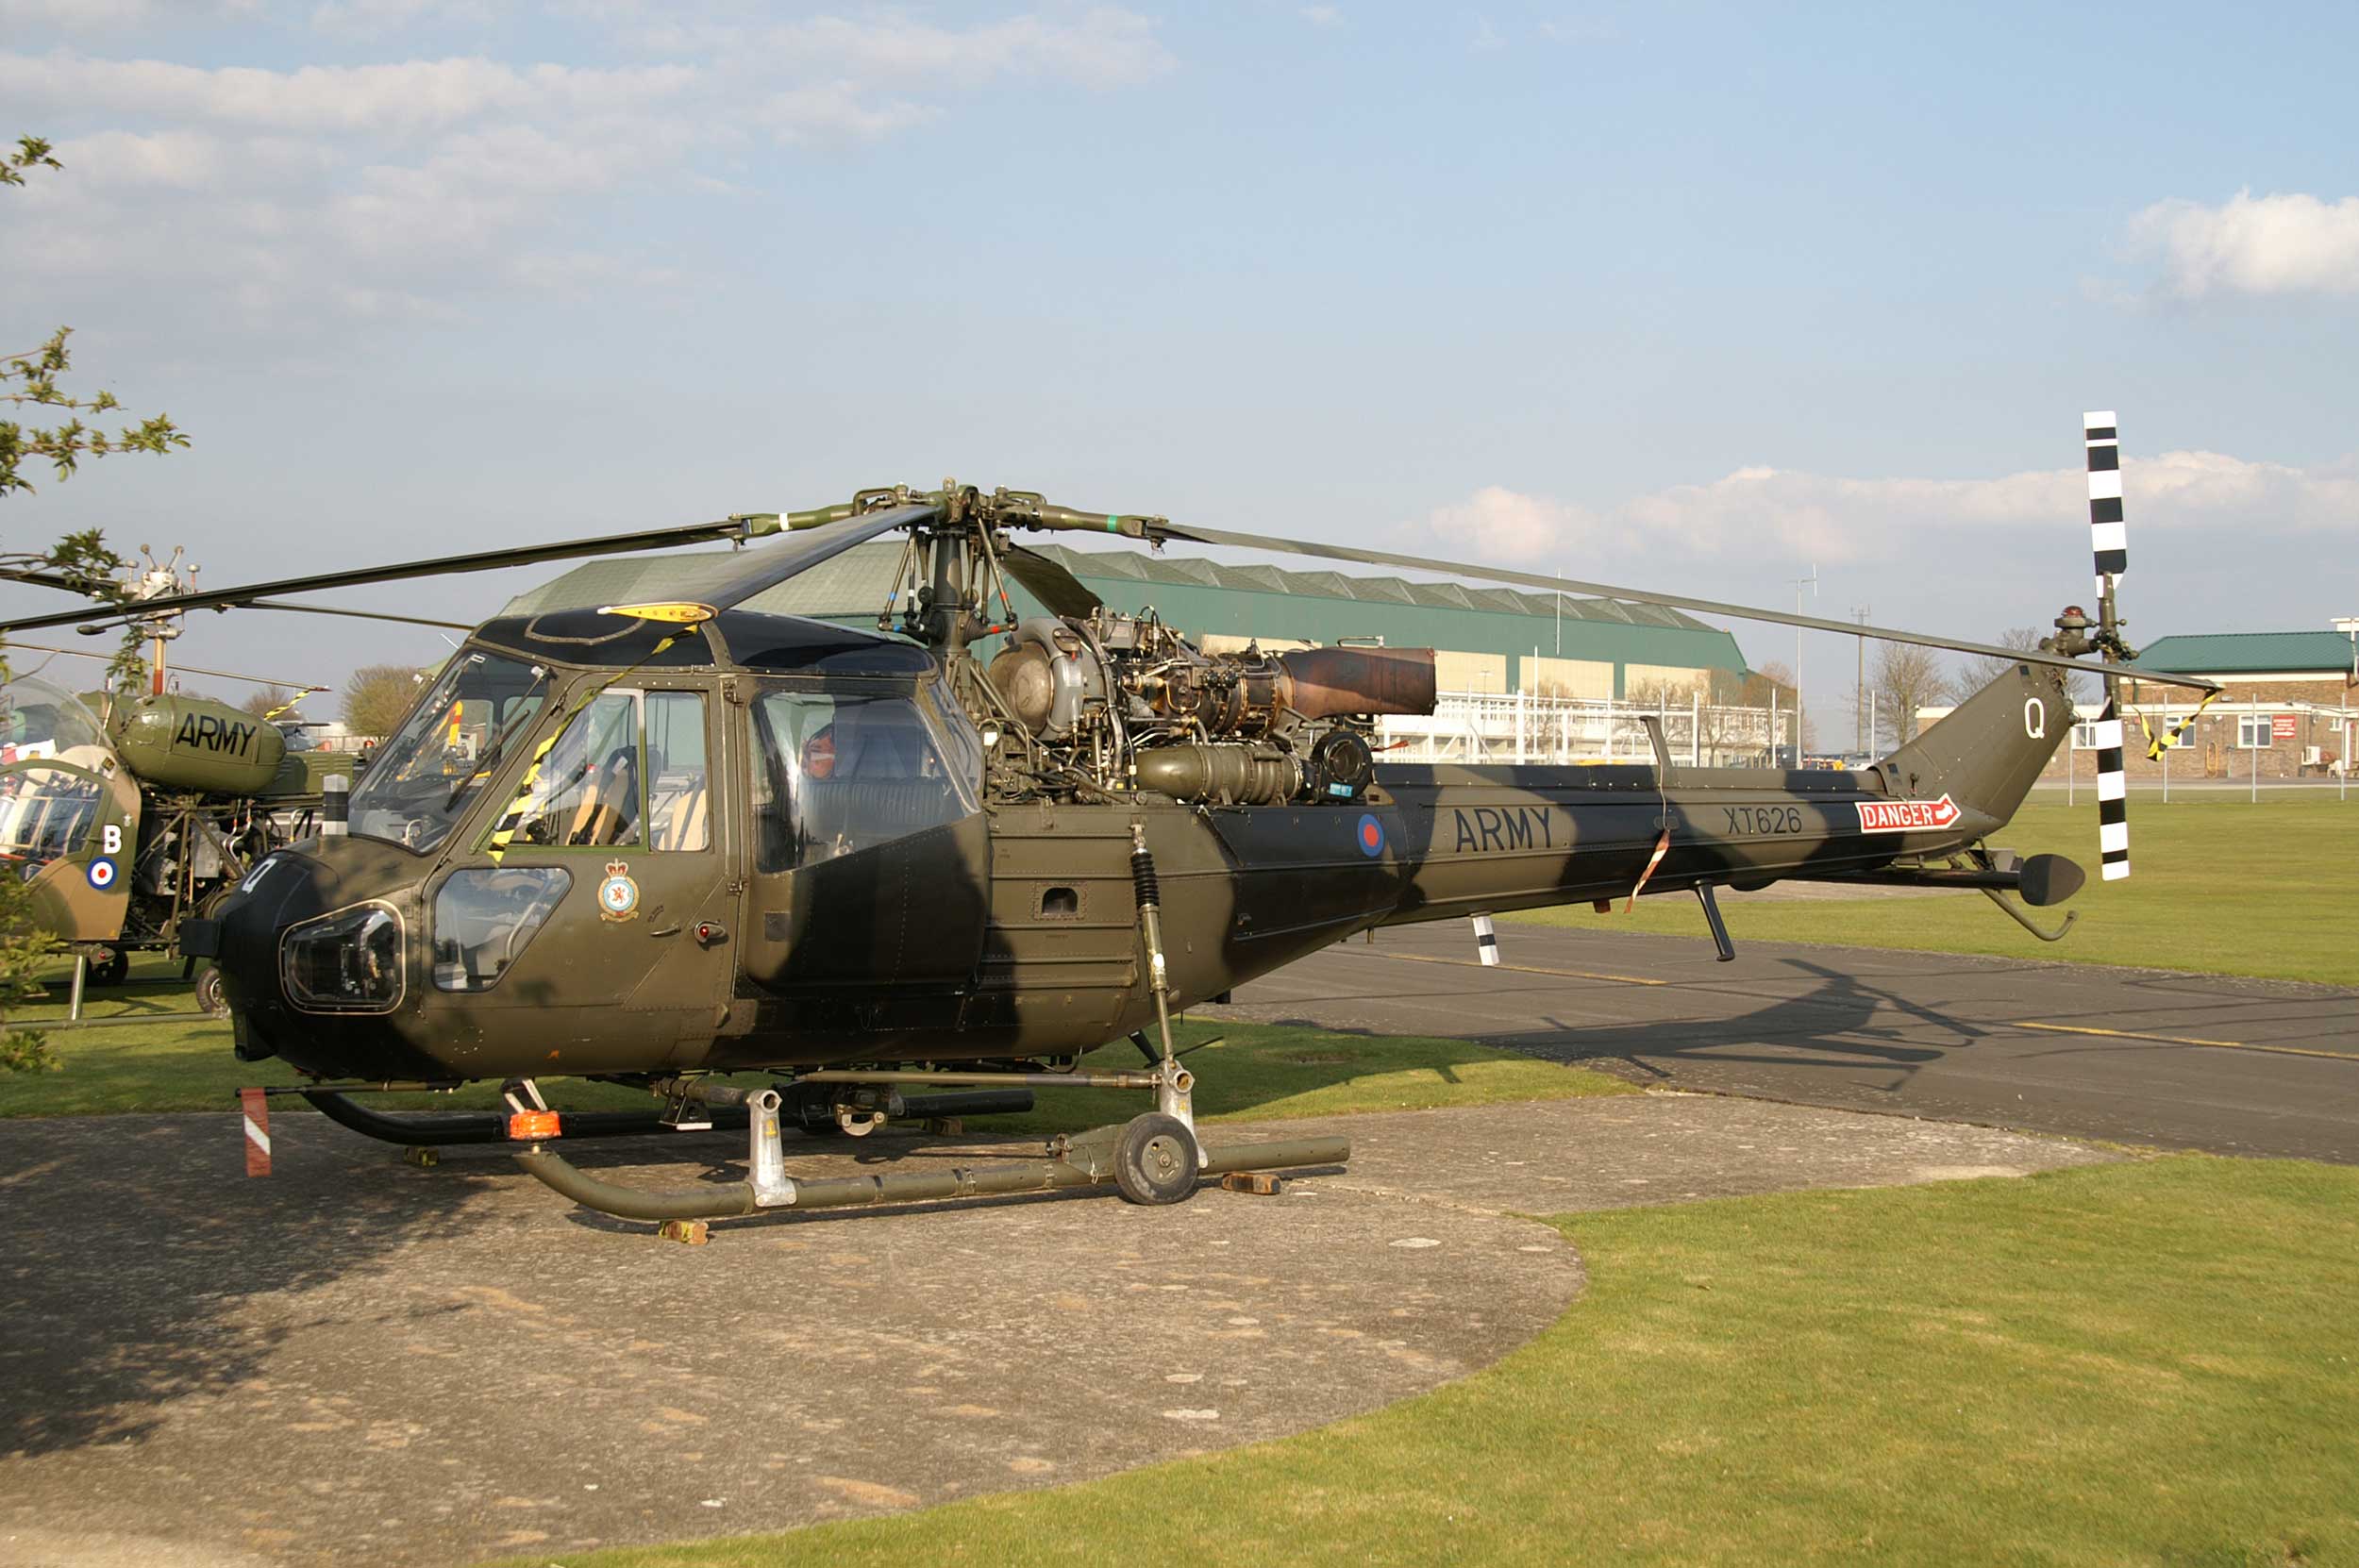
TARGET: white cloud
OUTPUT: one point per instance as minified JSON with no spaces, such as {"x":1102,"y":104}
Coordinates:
{"x":1102,"y":47}
{"x":1497,"y":523}
{"x":2289,"y":243}
{"x":408,"y":98}
{"x":837,"y":111}
{"x":1323,"y":16}
{"x":1832,"y":519}
{"x":419,"y":186}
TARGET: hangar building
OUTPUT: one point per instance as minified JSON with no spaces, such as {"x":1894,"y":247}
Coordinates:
{"x":1490,"y":639}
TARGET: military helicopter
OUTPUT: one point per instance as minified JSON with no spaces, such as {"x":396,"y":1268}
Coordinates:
{"x":125,"y":810}
{"x":698,"y":841}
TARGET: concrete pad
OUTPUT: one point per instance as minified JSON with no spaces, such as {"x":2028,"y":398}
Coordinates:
{"x":355,"y":1360}
{"x":1569,"y":1156}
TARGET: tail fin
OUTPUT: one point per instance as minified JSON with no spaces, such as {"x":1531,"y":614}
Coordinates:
{"x":1989,"y":751}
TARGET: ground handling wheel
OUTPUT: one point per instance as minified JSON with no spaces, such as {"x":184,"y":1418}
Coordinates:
{"x":1155,"y":1159}
{"x":211,"y":995}
{"x":113,"y":969}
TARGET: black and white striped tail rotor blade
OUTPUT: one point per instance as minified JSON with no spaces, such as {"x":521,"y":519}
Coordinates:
{"x":2109,"y":543}
{"x":2107,"y":537}
{"x":2113,"y":797}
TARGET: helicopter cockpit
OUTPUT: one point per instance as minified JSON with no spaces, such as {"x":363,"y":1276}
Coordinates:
{"x":712,"y":815}
{"x":53,"y":759}
{"x":66,"y":809}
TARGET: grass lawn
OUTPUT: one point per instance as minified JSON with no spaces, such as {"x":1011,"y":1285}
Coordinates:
{"x":1256,"y":1071}
{"x":2145,"y":1363}
{"x":2216,"y":884}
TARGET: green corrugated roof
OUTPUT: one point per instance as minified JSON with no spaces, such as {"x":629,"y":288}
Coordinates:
{"x":1321,"y":584}
{"x":1200,"y":597}
{"x":2251,"y":652}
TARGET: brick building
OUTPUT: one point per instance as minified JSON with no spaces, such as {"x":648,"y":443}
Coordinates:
{"x":2290,"y":708}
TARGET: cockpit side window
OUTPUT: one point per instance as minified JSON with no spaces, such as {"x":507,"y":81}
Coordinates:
{"x":679,"y":804}
{"x":587,"y":791}
{"x":628,"y":769}
{"x":45,"y":813}
{"x":838,"y":772}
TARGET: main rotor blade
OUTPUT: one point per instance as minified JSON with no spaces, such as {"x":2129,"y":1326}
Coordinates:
{"x":361,"y":614}
{"x":39,"y":579}
{"x":1059,"y":591}
{"x":1671,"y":601}
{"x":719,"y":582}
{"x":178,"y":669}
{"x":753,"y":526}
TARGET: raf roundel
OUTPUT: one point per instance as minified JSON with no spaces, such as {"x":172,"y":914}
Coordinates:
{"x":1370,"y":836}
{"x":102,"y":874}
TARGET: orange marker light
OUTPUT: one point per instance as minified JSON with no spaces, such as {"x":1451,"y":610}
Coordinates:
{"x":532,"y":1125}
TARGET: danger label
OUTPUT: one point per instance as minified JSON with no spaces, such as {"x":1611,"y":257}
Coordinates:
{"x":1906,"y":816}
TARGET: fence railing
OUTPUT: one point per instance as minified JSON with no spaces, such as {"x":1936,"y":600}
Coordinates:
{"x":1520,"y":727}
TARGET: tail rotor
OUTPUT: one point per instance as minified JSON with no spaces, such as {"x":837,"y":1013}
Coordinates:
{"x":2109,"y":543}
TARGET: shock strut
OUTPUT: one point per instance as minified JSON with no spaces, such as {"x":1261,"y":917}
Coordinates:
{"x":1149,"y":892}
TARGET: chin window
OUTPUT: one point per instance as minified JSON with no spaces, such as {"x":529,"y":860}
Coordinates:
{"x":349,"y":961}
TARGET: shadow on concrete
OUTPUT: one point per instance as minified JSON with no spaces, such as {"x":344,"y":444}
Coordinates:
{"x":1836,"y":1025}
{"x":130,"y":1303}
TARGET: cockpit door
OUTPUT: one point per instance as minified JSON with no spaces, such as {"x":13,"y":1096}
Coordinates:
{"x":870,"y":858}
{"x":612,"y":897}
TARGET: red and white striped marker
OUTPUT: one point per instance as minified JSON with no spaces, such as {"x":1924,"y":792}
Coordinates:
{"x":1662,"y":847}
{"x":257,"y":1108}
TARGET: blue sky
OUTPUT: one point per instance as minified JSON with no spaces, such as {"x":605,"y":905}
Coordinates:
{"x":1690,"y":297}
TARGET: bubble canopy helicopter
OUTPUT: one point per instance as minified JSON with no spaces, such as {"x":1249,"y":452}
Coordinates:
{"x":125,"y":810}
{"x":689,"y":839}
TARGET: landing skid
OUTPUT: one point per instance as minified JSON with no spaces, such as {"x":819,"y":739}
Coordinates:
{"x":1154,"y":1158}
{"x":442,"y":1130}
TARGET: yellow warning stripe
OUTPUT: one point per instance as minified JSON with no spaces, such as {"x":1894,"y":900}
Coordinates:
{"x":2155,"y":748}
{"x":1527,"y":969}
{"x":2184,"y":1040}
{"x":504,"y":826}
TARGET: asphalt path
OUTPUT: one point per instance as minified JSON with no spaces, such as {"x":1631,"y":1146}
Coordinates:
{"x":2180,"y":1061}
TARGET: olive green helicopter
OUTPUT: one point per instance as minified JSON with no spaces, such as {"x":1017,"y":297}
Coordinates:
{"x":685,"y":840}
{"x":126,"y":808}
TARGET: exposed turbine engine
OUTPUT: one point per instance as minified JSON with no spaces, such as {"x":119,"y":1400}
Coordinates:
{"x":1126,"y":697}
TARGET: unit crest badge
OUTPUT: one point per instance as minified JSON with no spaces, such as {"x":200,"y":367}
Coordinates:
{"x":618,"y":895}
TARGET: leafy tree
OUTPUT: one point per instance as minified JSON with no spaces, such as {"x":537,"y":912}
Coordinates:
{"x":376,"y":696}
{"x":34,"y":378}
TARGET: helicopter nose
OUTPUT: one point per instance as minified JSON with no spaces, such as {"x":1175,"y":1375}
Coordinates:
{"x":243,"y":938}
